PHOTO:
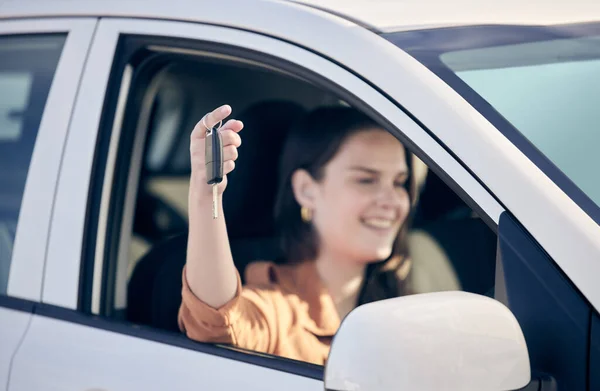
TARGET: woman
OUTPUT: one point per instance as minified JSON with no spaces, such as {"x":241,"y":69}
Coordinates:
{"x":342,"y":209}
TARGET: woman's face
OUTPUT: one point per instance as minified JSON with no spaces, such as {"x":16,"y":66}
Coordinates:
{"x":361,"y":202}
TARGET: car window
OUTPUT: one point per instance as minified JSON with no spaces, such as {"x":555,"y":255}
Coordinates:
{"x":451,"y":247}
{"x":538,"y":85}
{"x":558,"y":89}
{"x":27,"y":65}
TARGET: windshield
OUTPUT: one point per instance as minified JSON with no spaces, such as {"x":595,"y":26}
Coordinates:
{"x":539,"y":85}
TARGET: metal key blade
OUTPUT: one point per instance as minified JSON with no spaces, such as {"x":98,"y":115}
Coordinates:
{"x":215,"y":207}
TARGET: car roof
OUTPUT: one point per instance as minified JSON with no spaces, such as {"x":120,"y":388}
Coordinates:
{"x":394,"y":15}
{"x":377,"y":15}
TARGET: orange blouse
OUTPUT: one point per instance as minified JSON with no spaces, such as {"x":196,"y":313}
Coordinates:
{"x":283,"y":310}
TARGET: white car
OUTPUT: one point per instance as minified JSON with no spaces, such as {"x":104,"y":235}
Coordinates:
{"x":501,"y":101}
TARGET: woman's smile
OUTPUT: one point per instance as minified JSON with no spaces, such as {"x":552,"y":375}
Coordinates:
{"x":382,"y":225}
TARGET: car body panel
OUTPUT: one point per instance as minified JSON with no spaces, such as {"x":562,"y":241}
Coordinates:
{"x":13,"y":324}
{"x":379,"y":15}
{"x":65,"y":355}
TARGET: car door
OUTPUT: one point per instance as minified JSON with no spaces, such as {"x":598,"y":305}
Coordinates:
{"x":69,"y":345}
{"x":556,"y":317}
{"x":39,"y":64}
{"x":66,"y":346}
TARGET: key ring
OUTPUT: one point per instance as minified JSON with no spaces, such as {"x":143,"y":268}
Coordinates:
{"x":210,"y":130}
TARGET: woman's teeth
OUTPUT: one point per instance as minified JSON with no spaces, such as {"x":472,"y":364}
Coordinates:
{"x":378,"y":223}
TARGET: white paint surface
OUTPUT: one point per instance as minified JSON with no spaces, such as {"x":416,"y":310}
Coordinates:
{"x":452,"y":341}
{"x":12,"y":328}
{"x":59,"y":355}
{"x":382,"y":14}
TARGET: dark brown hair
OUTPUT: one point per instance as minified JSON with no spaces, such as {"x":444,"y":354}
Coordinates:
{"x":310,"y":145}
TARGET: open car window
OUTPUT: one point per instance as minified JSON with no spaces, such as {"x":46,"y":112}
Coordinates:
{"x":451,"y":247}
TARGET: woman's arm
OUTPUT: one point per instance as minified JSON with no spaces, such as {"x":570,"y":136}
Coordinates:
{"x":210,"y":271}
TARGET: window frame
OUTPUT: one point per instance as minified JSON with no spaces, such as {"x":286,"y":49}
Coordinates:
{"x":489,"y":37}
{"x":95,"y":122}
{"x":27,"y":263}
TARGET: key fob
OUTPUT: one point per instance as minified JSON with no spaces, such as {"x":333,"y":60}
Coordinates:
{"x":214,"y":157}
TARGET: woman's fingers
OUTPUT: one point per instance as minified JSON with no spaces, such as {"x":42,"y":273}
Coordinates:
{"x":230,"y":152}
{"x":210,"y":120}
{"x":229,"y":132}
{"x":228,"y":166}
{"x":230,"y":137}
{"x":216,"y":116}
{"x":234,"y":125}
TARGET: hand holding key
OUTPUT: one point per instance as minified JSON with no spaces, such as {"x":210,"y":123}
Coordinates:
{"x":210,"y":270}
{"x":207,"y":169}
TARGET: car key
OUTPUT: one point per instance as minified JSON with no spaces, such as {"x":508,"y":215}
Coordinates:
{"x":214,"y":163}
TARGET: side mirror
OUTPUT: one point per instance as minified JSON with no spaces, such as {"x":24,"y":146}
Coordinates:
{"x":433,"y":341}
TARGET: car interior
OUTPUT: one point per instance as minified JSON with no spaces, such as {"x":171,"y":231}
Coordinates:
{"x":448,"y":240}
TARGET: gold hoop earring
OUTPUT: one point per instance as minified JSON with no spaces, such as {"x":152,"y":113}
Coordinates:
{"x":306,"y":214}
